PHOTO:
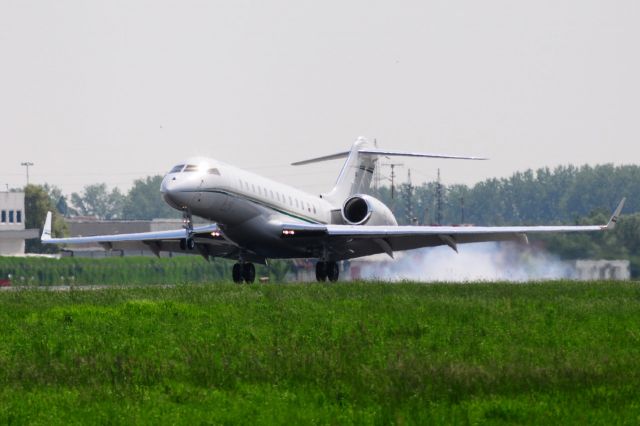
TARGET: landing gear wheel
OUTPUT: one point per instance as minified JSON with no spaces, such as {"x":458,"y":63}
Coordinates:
{"x":248,"y":272}
{"x":236,"y":273}
{"x":333,"y":271}
{"x":187,"y":244}
{"x":321,"y":271}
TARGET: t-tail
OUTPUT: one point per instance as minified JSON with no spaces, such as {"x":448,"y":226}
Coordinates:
{"x":358,"y":170}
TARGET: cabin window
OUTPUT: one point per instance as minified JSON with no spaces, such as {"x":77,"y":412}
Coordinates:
{"x":253,"y":187}
{"x":177,"y":168}
{"x":290,"y":202}
{"x":297,"y":204}
{"x":272,"y":197}
{"x":314,"y":209}
{"x":19,"y":216}
{"x":213,"y":172}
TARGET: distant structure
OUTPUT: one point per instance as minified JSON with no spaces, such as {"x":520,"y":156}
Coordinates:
{"x":12,"y":229}
{"x":603,"y":270}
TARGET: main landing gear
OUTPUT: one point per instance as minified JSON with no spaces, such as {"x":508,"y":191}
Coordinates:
{"x":187,"y":244}
{"x":244,"y":272}
{"x":327,"y":270}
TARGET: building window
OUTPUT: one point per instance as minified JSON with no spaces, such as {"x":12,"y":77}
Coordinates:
{"x":10,"y":216}
{"x":19,"y":216}
{"x":4,"y":216}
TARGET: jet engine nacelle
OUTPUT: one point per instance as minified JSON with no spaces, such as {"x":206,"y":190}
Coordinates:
{"x":365,"y":209}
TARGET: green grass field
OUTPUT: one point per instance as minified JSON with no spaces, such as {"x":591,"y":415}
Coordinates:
{"x":366,"y":353}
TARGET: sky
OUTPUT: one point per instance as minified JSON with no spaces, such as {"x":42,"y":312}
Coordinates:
{"x":112,"y":91}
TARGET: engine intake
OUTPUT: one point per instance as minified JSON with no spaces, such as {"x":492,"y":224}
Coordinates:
{"x":364,"y":209}
{"x":356,"y":211}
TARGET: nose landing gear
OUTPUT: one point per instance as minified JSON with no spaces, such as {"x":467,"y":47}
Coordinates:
{"x":187,"y":223}
{"x":243,"y":272}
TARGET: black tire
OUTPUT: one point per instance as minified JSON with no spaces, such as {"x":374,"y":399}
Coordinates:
{"x":237,"y":273}
{"x":321,"y":271}
{"x":333,"y":271}
{"x":183,"y":244}
{"x":249,"y":273}
{"x":191,"y":244}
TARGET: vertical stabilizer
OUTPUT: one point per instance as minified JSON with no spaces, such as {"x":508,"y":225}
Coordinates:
{"x":356,"y":174}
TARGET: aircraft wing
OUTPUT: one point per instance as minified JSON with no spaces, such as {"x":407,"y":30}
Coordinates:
{"x":209,"y":240}
{"x":349,"y":241}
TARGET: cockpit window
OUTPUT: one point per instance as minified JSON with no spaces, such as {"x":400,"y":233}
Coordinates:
{"x":177,"y":168}
{"x":191,"y":168}
{"x":213,"y":172}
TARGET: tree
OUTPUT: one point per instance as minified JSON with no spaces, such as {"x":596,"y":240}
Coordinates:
{"x":57,"y":198}
{"x":37,"y":203}
{"x":96,"y":201}
{"x":145,"y":202}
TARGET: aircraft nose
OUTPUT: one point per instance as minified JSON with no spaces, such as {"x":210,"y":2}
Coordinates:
{"x":171,"y":192}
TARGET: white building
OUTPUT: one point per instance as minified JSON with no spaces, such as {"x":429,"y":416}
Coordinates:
{"x":12,"y":230}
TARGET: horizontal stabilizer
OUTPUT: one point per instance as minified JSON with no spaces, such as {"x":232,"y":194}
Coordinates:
{"x":385,"y":153}
{"x":324,"y":158}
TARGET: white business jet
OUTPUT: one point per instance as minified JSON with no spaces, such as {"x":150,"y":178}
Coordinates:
{"x":258,"y":219}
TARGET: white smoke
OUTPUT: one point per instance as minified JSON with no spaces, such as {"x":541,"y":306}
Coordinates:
{"x":474,"y":262}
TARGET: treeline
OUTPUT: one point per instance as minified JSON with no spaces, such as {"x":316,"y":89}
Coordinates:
{"x":143,"y":201}
{"x":562,"y":195}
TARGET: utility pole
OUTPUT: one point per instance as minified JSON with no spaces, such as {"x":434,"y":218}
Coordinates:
{"x":27,"y":164}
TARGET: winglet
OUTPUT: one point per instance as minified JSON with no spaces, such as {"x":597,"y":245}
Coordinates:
{"x":46,"y":231}
{"x":616,"y":214}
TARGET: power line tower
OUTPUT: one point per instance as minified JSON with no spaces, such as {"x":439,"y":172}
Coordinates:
{"x":439,"y":191}
{"x":393,"y":175}
{"x":409,"y":199}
